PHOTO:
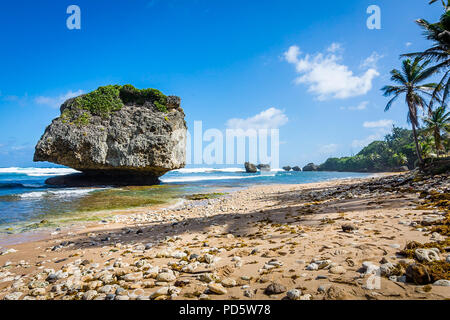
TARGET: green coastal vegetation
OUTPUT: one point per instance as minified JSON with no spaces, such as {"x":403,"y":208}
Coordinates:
{"x":426,"y":103}
{"x":108,"y":99}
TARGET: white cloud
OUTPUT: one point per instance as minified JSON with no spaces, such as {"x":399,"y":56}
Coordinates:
{"x":380,"y":128}
{"x":371,"y":61}
{"x":378,"y":124}
{"x":329,"y":148}
{"x":55,"y":102}
{"x":271,"y":118}
{"x":408,"y":44}
{"x":327,"y":77}
{"x":362,"y":106}
{"x":365,"y":142}
{"x":334,"y":47}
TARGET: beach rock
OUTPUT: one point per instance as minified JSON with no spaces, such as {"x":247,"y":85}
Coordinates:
{"x":310,"y":167}
{"x":250,"y":167}
{"x":274,"y":288}
{"x":418,"y":274}
{"x":428,"y":255}
{"x":130,"y":141}
{"x":296,"y":168}
{"x":294,"y":294}
{"x":386,"y":269}
{"x":89,"y":295}
{"x":338,"y":270}
{"x":442,"y":283}
{"x":217,"y":288}
{"x":348,"y":227}
{"x":287,"y":168}
{"x":166,"y":277}
{"x":13,"y":296}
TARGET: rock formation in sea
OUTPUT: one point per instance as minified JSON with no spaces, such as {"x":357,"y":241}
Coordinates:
{"x":287,"y":168}
{"x":296,"y":168}
{"x":310,"y":167}
{"x":116,"y":135}
{"x":250,"y":167}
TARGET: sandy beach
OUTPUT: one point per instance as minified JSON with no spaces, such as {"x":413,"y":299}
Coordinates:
{"x":332,"y":240}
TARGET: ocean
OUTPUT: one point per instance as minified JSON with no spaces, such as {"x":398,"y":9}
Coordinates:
{"x":27,"y":203}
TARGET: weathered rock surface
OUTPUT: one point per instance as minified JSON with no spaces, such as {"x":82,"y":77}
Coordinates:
{"x":250,"y":167}
{"x":135,"y":144}
{"x":310,"y":167}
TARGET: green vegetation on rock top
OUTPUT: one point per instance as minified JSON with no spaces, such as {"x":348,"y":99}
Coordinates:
{"x":108,"y":99}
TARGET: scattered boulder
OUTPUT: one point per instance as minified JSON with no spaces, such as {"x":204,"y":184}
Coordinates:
{"x":311,"y":167}
{"x":250,"y":167}
{"x":116,"y":135}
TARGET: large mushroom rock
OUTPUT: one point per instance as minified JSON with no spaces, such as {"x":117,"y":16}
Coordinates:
{"x":250,"y":168}
{"x":310,"y":167}
{"x":116,"y":135}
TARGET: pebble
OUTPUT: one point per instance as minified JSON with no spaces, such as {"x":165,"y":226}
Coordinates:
{"x":338,"y":270}
{"x":275,"y":288}
{"x":217,"y":288}
{"x":428,"y":255}
{"x":13,"y":296}
{"x":89,"y":295}
{"x":166,"y":277}
{"x":294,"y":294}
{"x":442,"y":283}
{"x":312,"y":266}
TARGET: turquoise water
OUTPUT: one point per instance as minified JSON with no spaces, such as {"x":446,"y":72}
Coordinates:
{"x":25,"y":200}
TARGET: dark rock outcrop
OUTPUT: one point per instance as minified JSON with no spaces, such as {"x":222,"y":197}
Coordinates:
{"x":297,"y":168}
{"x":287,"y":168}
{"x":116,"y":136}
{"x":310,"y":167}
{"x":250,"y":167}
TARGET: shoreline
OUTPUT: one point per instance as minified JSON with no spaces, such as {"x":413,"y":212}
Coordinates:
{"x":234,"y":246}
{"x":43,"y":233}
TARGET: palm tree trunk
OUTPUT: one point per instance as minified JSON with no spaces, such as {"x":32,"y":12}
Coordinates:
{"x":416,"y":141}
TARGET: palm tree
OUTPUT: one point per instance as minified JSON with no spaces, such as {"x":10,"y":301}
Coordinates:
{"x":446,"y":5}
{"x":439,"y":53}
{"x":436,"y":123}
{"x":409,"y":81}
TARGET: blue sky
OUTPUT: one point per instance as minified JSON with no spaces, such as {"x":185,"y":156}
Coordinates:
{"x":225,"y":59}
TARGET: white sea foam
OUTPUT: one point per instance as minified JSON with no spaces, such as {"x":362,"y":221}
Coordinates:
{"x":216,"y":170}
{"x":57,"y":193}
{"x":203,"y":178}
{"x":38,"y":172}
{"x":207,"y":170}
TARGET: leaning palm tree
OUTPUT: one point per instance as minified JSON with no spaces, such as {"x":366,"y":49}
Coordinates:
{"x":410,"y":83}
{"x":439,"y":53}
{"x":438,"y":122}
